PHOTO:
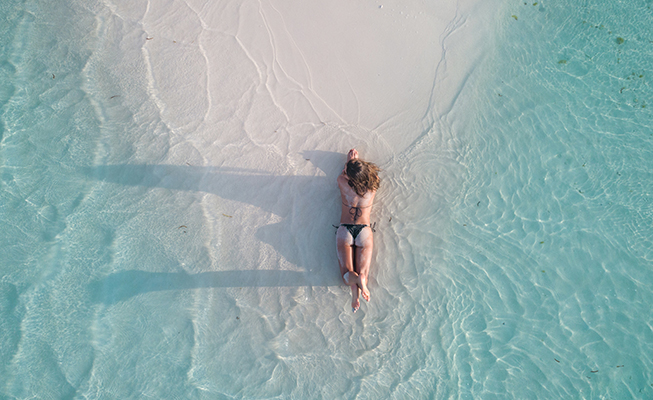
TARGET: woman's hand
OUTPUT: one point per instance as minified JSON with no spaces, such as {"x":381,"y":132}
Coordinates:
{"x":353,"y":153}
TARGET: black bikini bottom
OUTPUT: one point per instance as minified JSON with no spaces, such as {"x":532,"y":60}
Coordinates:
{"x":354,"y":229}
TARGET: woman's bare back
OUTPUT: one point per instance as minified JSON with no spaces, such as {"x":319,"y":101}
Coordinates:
{"x":355,"y":209}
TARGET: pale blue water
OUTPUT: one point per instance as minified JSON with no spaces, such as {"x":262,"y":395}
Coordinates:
{"x":516,"y":260}
{"x":550,"y":261}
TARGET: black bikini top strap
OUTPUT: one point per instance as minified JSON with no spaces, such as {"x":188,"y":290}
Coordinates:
{"x":356,"y":206}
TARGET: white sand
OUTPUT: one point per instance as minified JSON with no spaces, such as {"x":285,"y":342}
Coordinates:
{"x":247,"y":109}
{"x":279,"y":71}
{"x":224,"y":126}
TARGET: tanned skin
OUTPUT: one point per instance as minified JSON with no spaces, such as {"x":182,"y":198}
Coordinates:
{"x":355,"y":257}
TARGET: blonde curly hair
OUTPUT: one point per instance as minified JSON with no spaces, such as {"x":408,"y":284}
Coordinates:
{"x":363,"y":176}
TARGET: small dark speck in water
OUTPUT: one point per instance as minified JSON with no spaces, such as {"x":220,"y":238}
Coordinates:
{"x":594,"y":371}
{"x":619,"y":366}
{"x":620,"y":40}
{"x":114,"y":96}
{"x":562,"y":62}
{"x":557,"y":360}
{"x":52,"y":76}
{"x":542,"y":242}
{"x":237,"y":318}
{"x":478,"y":204}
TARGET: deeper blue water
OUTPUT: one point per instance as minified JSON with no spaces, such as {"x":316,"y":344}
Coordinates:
{"x":516,"y":260}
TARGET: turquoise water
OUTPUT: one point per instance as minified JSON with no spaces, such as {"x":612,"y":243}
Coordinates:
{"x":513,"y":251}
{"x":549,"y":260}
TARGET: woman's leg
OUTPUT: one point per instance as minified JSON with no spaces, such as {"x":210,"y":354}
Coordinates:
{"x":364,"y":247}
{"x":344,"y":243}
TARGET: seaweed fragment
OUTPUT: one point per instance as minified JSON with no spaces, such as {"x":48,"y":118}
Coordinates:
{"x":620,"y":40}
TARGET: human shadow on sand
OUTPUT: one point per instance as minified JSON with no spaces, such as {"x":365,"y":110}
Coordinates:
{"x":284,"y":196}
{"x":123,"y":285}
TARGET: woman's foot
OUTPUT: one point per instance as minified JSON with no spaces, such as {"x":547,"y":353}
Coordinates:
{"x":365,"y":292}
{"x":355,"y":303}
{"x":353,"y":153}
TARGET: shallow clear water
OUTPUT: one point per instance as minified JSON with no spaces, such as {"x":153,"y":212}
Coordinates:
{"x":513,"y":251}
{"x":548,"y":256}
